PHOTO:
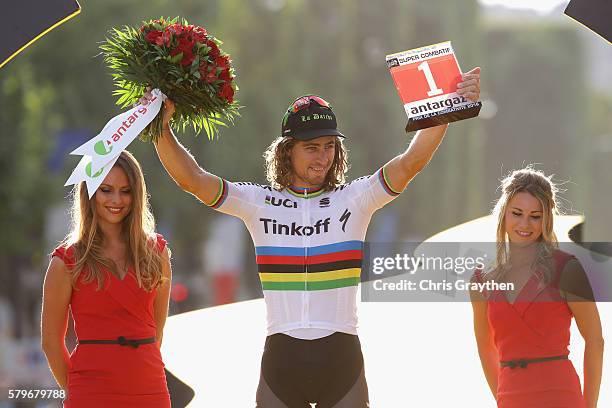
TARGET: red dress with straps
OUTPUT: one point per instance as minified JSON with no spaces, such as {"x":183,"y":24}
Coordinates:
{"x":536,"y":325}
{"x":111,"y":375}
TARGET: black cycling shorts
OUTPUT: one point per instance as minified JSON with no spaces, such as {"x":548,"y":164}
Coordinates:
{"x":326,"y":371}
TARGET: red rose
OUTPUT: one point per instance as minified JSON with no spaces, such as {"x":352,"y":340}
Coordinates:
{"x":175,"y":28}
{"x":167,"y":38}
{"x":188,"y":58}
{"x":226,"y":92}
{"x":222,"y":61}
{"x":186,"y":47}
{"x":225,"y":75}
{"x":185,"y":44}
{"x":154,"y":37}
{"x":214,"y":49}
{"x":187,"y":41}
{"x":199,"y":34}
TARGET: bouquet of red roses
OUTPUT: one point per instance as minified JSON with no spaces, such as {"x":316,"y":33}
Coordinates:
{"x":184,"y":62}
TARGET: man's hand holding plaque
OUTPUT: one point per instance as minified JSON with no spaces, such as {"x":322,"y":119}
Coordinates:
{"x":432,"y":87}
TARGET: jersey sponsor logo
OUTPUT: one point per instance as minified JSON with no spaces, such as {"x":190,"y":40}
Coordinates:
{"x":344,"y":218}
{"x":274,"y":227}
{"x":278,"y":202}
{"x":324,"y":202}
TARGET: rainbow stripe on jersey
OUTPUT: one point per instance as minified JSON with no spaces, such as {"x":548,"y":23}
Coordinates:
{"x":320,"y":267}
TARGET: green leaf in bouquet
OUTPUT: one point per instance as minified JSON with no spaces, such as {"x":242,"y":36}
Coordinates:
{"x":195,"y":64}
{"x":176,"y":59}
{"x":126,"y":95}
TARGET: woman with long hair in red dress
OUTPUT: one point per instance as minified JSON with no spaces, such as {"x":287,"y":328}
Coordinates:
{"x":523,"y":334}
{"x":113,"y":272}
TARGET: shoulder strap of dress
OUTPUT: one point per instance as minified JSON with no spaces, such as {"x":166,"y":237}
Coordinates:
{"x":160,"y":242}
{"x":66,"y":254}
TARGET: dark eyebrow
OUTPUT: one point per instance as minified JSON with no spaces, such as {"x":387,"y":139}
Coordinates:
{"x":109,"y":186}
{"x":330,"y":143}
{"x":520,"y":209}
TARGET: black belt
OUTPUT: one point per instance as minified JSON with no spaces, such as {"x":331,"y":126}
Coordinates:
{"x":122,"y":341}
{"x":524,"y":362}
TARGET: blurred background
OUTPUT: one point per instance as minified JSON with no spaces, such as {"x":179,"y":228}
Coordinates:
{"x":546,"y":91}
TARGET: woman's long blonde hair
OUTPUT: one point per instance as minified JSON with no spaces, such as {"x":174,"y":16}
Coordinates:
{"x":279,"y":169}
{"x":138,"y":233}
{"x":541,"y":187}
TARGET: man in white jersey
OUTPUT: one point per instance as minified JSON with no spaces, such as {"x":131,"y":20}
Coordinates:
{"x":308,"y":227}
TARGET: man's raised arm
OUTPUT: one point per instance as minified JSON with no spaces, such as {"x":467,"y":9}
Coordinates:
{"x":181,"y":165}
{"x":402,"y":168}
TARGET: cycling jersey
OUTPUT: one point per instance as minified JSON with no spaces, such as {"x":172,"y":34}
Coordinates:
{"x":308,"y":245}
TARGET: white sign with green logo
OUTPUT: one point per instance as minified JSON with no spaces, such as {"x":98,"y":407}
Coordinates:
{"x":101,"y":152}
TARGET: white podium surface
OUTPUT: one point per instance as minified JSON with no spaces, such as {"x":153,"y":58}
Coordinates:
{"x":416,"y":354}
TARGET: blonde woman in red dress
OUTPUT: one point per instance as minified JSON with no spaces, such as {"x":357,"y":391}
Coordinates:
{"x":523,"y":335}
{"x":113,"y":273}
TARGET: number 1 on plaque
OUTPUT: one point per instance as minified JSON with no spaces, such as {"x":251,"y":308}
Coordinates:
{"x":433,"y":88}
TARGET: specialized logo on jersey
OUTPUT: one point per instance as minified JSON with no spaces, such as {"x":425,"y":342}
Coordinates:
{"x":344,"y":218}
{"x":278,"y":202}
{"x":274,"y":227}
{"x":324,"y":202}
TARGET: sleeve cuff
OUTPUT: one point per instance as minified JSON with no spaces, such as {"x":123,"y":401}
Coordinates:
{"x":382,"y":176}
{"x":221,"y":194}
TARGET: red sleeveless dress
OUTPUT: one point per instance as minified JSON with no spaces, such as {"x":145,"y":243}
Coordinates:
{"x":111,"y":375}
{"x":536,"y":325}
